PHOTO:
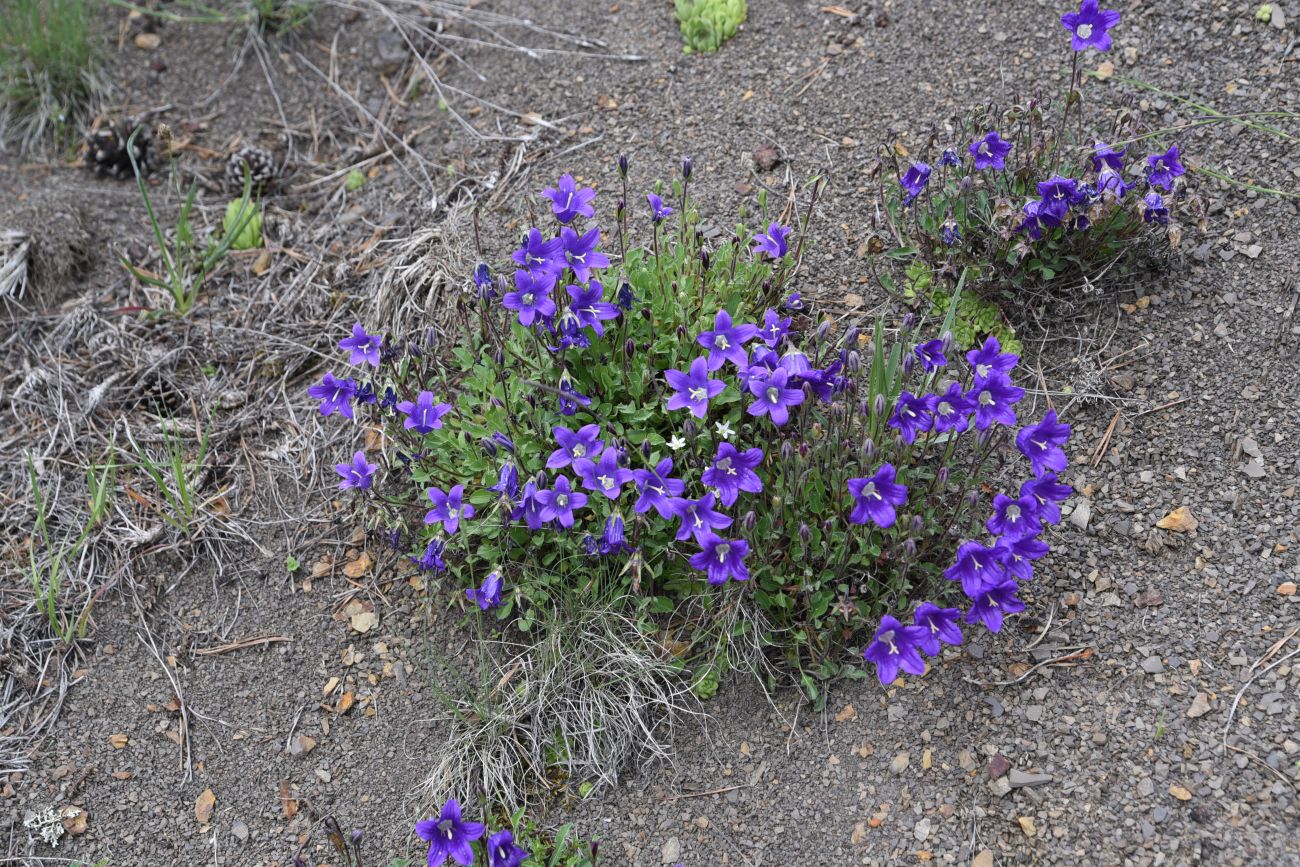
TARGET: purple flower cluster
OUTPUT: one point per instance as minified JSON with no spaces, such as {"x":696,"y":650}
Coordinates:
{"x":450,"y":836}
{"x":988,"y":573}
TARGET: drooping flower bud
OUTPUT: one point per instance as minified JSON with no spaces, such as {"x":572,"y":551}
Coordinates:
{"x":489,"y":447}
{"x":868,"y":449}
{"x":909,"y":362}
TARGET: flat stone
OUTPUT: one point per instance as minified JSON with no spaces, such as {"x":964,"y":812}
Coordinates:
{"x":921,"y":830}
{"x":239,"y":830}
{"x":671,"y":850}
{"x":899,"y":764}
{"x":1153,"y":665}
{"x":1026,"y":780}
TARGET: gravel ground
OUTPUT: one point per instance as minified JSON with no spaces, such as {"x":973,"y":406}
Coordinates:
{"x":1161,"y":725}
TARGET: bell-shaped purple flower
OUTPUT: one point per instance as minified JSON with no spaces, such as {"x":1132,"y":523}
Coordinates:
{"x":502,"y":851}
{"x":977,"y":568}
{"x":895,"y":646}
{"x":876,"y":498}
{"x":1038,"y":218}
{"x":773,"y":241}
{"x":568,"y":201}
{"x":726,"y":342}
{"x":990,"y":152}
{"x":1047,"y":493}
{"x":993,"y":603}
{"x":580,"y":252}
{"x":1105,"y":156}
{"x":914,"y":181}
{"x":1088,"y":27}
{"x":912,"y":415}
{"x":364,"y":348}
{"x":1058,"y":194}
{"x":930,"y":354}
{"x":994,"y":399}
{"x":698,"y":517}
{"x":1017,"y":555}
{"x":589,"y":306}
{"x":1014,"y":518}
{"x":773,"y":396}
{"x":604,"y":476}
{"x":693,"y":390}
{"x":449,"y":508}
{"x":1154,"y":210}
{"x":657,"y":488}
{"x":531,"y":297}
{"x":335,"y":395}
{"x":488,"y":595}
{"x":1163,"y":168}
{"x":423,"y":415}
{"x":774,"y":328}
{"x":990,"y":358}
{"x":658,"y":210}
{"x":937,"y":624}
{"x":431,"y":560}
{"x":732,"y":471}
{"x":1042,"y":443}
{"x":358,"y":474}
{"x":951,"y":410}
{"x":529,"y":508}
{"x":613,"y":540}
{"x":721,"y":559}
{"x":541,"y":257}
{"x":449,"y":836}
{"x":583,"y":443}
{"x":559,"y":503}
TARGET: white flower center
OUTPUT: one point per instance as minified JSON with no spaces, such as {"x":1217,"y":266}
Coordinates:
{"x":722,"y":551}
{"x":528,"y":299}
{"x":606,"y":482}
{"x":562,"y":500}
{"x":986,"y":398}
{"x":869,"y":490}
{"x":579,"y":450}
{"x":773,"y":394}
{"x":720,"y":342}
{"x":1084,"y":31}
{"x":698,"y":394}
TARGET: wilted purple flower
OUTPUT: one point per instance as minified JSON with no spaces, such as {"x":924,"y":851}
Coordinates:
{"x":698,"y":517}
{"x":1105,"y":156}
{"x":658,"y":210}
{"x":774,"y":397}
{"x":604,"y":476}
{"x":951,"y":410}
{"x":449,"y":836}
{"x":993,"y":603}
{"x":357,"y":474}
{"x":912,"y":415}
{"x":1088,"y":28}
{"x":977,"y":568}
{"x":949,"y":157}
{"x":951,"y":233}
{"x":994,"y":398}
{"x":772,"y":242}
{"x":990,"y":358}
{"x":793,"y":302}
{"x":693,"y":390}
{"x":1154,"y":210}
{"x":529,"y":508}
{"x":732,"y":471}
{"x":540,"y":256}
{"x":483,"y":279}
{"x":1047,"y":492}
{"x":567,"y":201}
{"x":1016,"y":555}
{"x":626,"y":297}
{"x":335,"y":395}
{"x":531,"y":297}
{"x":990,"y":152}
{"x":584,"y":443}
{"x":1042,"y":442}
{"x":431,"y":559}
{"x":560,"y":501}
{"x":580,"y":252}
{"x":449,"y":508}
{"x":502,"y":851}
{"x":937,"y":624}
{"x":914,"y":181}
{"x":1163,"y":168}
{"x":931,"y":354}
{"x":721,"y":559}
{"x":1013,"y":519}
{"x":422,"y":414}
{"x":1058,"y":194}
{"x":570,"y":398}
{"x":364,"y":347}
{"x":589,"y":306}
{"x":876,"y":498}
{"x":774,"y":328}
{"x":507,"y":481}
{"x":613,"y":539}
{"x":895,"y":646}
{"x":1038,"y":217}
{"x":657,"y":488}
{"x":726,"y":342}
{"x":488,"y":595}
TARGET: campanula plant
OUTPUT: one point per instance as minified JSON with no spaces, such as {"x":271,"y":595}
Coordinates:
{"x":1031,"y":201}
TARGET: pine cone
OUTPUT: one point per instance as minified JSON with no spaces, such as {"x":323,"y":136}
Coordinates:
{"x":107,"y":152}
{"x":261,"y":168}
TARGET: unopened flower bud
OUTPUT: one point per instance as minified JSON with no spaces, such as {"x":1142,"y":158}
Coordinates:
{"x":804,"y":533}
{"x":917,"y":523}
{"x":947,"y":342}
{"x":749,"y":520}
{"x":851,"y":336}
{"x":878,"y":405}
{"x":646,"y":314}
{"x":803,"y":449}
{"x":357,"y":834}
{"x":645,"y":449}
{"x":787,"y":451}
{"x":908,"y":321}
{"x":909,"y":548}
{"x":704,"y":260}
{"x":622,"y":165}
{"x":690,"y":431}
{"x":942,"y":476}
{"x":973,"y":498}
{"x":868,"y":449}
{"x":629,"y":347}
{"x":909,"y":362}
{"x":542,"y":479}
{"x":823,"y":330}
{"x":489,"y":447}
{"x":687,"y":166}
{"x":864,"y":407}
{"x":854,"y":362}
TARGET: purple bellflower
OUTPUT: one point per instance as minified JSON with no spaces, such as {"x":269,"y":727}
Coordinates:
{"x":568,"y":201}
{"x":1017,"y":555}
{"x":1088,"y":28}
{"x":1014,"y":519}
{"x":1047,"y":492}
{"x":977,"y":568}
{"x":774,"y":328}
{"x":488,"y":595}
{"x":990,"y":358}
{"x":364,"y":347}
{"x":529,"y":508}
{"x":895,"y":646}
{"x":357,"y":474}
{"x":502,"y":851}
{"x":949,"y":157}
{"x":589,"y":306}
{"x":774,"y":396}
{"x":937,"y":624}
{"x":570,"y":398}
{"x":431,"y":560}
{"x":951,"y":411}
{"x":994,"y":399}
{"x":1058,"y":194}
{"x":877,"y":498}
{"x":657,"y":488}
{"x":1042,"y":442}
{"x":584,"y":443}
{"x":335,"y":395}
{"x":912,"y":415}
{"x":732,"y":471}
{"x":931,"y":355}
{"x":726,"y":342}
{"x":1105,"y":156}
{"x":422,"y":414}
{"x":914,"y":181}
{"x":698,"y":518}
{"x":693,"y":390}
{"x":1163,"y":168}
{"x":560,"y":501}
{"x":604,"y":476}
{"x":1154,"y":210}
{"x":992,"y":604}
{"x":580,"y":252}
{"x":721,"y":559}
{"x":658,"y":210}
{"x":540,"y":256}
{"x":531,"y":296}
{"x":449,"y":508}
{"x":1038,"y":218}
{"x":449,"y":836}
{"x":990,"y":152}
{"x":773,"y":241}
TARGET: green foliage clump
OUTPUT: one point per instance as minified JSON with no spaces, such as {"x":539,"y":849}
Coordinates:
{"x":973,"y":318}
{"x":243,"y":222}
{"x":49,"y":54}
{"x":706,"y":24}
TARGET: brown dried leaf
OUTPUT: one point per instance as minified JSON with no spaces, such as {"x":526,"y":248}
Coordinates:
{"x":118,"y":741}
{"x":848,"y":713}
{"x":1149,"y":598}
{"x":1180,"y":793}
{"x":203,"y":806}
{"x":1180,"y":520}
{"x":359,"y":566}
{"x":287,"y":802}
